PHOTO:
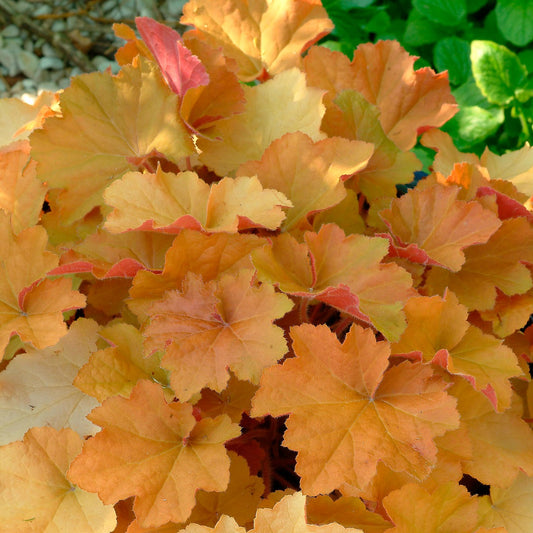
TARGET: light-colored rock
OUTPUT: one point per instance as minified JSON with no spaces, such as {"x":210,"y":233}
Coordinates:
{"x":28,"y":63}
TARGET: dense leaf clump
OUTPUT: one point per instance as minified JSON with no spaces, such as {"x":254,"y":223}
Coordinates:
{"x":225,"y":304}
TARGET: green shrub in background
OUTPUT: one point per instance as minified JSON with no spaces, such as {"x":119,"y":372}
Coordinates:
{"x":484,"y":46}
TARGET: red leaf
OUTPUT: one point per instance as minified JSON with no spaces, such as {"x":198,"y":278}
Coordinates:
{"x":181,"y":69}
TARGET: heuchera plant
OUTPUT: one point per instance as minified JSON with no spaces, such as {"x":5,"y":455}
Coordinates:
{"x":217,"y":312}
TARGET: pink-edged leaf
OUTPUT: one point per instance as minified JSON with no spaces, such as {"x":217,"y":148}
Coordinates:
{"x":507,"y":207}
{"x":411,"y":252}
{"x":181,"y":69}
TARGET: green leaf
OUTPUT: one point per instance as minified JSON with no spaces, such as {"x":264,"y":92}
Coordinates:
{"x":420,"y":31}
{"x":474,"y":124}
{"x":526,"y":57}
{"x":445,"y":12}
{"x":475,"y":5}
{"x":453,"y":54}
{"x":515,"y":20}
{"x":497,"y":71}
{"x":469,"y":94}
{"x":379,"y":23}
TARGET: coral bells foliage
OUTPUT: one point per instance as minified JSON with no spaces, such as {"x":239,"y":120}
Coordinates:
{"x":219,"y":311}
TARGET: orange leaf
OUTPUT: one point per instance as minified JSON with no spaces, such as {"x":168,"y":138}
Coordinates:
{"x":438,"y":225}
{"x":222,"y":97}
{"x":281,"y":105}
{"x":239,"y":500}
{"x":108,"y":255}
{"x":496,"y":264}
{"x":147,"y":449}
{"x":226,"y":524}
{"x":40,"y":319}
{"x":27,"y":307}
{"x":355,"y":118}
{"x":515,"y":166}
{"x":448,"y":509}
{"x":208,"y":328}
{"x":447,"y":154}
{"x":234,"y":400}
{"x":35,"y":495}
{"x":502,"y":443}
{"x":17,"y":118}
{"x":192,"y":251}
{"x":383,"y":73}
{"x":347,"y":511}
{"x":183,"y":200}
{"x":347,"y":412}
{"x":36,"y":387}
{"x":21,"y":193}
{"x":511,"y":506}
{"x":117,"y":369}
{"x":438,"y":331}
{"x":345,"y":272}
{"x":261,"y":36}
{"x":289,"y":515}
{"x":308,"y":174}
{"x":408,"y":100}
{"x":510,"y":313}
{"x":108,"y":123}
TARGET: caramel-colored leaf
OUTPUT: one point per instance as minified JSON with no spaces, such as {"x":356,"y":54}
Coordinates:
{"x":408,"y":100}
{"x":497,"y":264}
{"x":178,"y":201}
{"x":289,"y":516}
{"x":30,"y":306}
{"x":260,"y":36}
{"x":117,"y":369}
{"x":439,"y":224}
{"x":355,"y":118}
{"x":383,"y":73}
{"x":347,"y":412}
{"x":208,"y":328}
{"x":438,"y":331}
{"x":281,"y":105}
{"x":192,"y":251}
{"x":343,"y":271}
{"x":448,"y":509}
{"x":108,"y":124}
{"x":308,"y":174}
{"x":36,"y":496}
{"x":149,"y":449}
{"x":502,"y":443}
{"x":21,"y":193}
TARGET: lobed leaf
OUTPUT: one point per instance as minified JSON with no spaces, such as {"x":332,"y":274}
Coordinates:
{"x":208,"y":328}
{"x":107,"y":124}
{"x":36,"y":387}
{"x":262,"y":36}
{"x":147,"y":448}
{"x":347,"y":412}
{"x":438,"y":331}
{"x":438,"y":225}
{"x":35,"y":494}
{"x":281,"y":105}
{"x":179,"y":201}
{"x":309,"y":174}
{"x":343,"y":271}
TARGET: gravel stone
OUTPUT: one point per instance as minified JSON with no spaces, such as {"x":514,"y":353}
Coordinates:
{"x":10,"y":31}
{"x":29,"y":64}
{"x":9,"y":61}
